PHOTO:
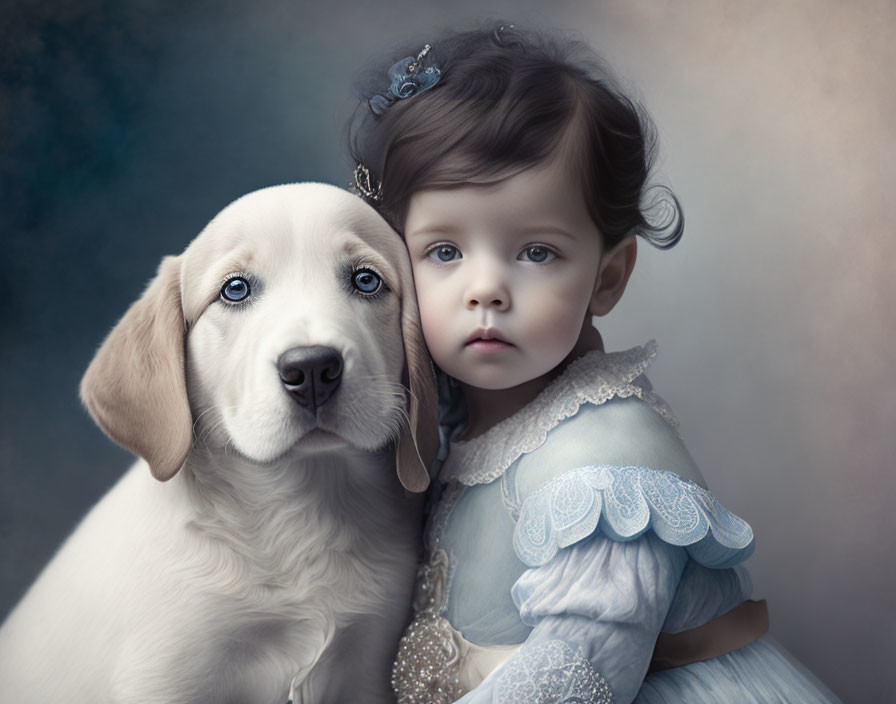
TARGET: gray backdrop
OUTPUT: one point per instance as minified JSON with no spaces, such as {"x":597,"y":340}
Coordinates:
{"x":125,"y":126}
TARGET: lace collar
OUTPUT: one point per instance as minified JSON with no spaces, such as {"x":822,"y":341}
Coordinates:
{"x":594,"y":378}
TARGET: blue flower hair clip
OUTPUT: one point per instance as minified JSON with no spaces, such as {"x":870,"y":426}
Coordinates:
{"x":408,"y":79}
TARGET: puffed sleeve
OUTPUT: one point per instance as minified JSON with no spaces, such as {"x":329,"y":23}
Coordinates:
{"x":606,"y":548}
{"x":596,"y":608}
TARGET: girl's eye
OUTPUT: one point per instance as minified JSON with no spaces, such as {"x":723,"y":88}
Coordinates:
{"x":366,"y":281}
{"x":537,"y":254}
{"x":444,"y":253}
{"x":235,"y":289}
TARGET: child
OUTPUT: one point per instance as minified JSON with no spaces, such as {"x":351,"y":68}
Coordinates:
{"x":574,"y":546}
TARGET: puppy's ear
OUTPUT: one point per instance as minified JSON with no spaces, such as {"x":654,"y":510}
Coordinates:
{"x":135,"y":387}
{"x":419,"y":440}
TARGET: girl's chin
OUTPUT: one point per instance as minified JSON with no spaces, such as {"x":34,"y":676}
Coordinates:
{"x":504,"y":380}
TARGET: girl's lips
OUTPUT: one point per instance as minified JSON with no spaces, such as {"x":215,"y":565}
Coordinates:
{"x":486,"y":334}
{"x":490,"y":346}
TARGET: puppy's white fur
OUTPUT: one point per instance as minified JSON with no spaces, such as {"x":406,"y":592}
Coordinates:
{"x":279,"y":546}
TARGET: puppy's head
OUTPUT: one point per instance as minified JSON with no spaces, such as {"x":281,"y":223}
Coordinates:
{"x":289,"y":324}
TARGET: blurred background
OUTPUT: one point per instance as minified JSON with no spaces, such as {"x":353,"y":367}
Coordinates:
{"x":125,"y":126}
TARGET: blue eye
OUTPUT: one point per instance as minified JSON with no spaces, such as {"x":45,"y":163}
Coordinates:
{"x":366,"y":281}
{"x":444,"y":253}
{"x":235,"y":289}
{"x":537,"y":254}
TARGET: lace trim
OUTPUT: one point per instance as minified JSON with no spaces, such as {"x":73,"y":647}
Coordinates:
{"x":594,"y":378}
{"x":427,"y":666}
{"x":550,"y":673}
{"x":431,"y":587}
{"x":439,"y":519}
{"x":434,"y":574}
{"x":624,"y":502}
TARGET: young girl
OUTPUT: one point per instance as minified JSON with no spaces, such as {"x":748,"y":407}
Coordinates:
{"x":572,"y":547}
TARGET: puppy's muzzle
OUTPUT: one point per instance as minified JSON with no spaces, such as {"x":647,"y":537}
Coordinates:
{"x":310,"y":374}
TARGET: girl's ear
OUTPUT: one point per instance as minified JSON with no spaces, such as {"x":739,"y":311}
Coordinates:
{"x":616,"y":267}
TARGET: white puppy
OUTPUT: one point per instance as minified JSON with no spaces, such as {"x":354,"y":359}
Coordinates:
{"x":264,"y":377}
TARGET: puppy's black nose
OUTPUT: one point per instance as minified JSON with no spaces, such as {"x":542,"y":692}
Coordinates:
{"x":310,"y":374}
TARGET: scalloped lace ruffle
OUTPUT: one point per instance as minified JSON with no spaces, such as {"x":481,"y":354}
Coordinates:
{"x":623,"y":503}
{"x":594,"y":378}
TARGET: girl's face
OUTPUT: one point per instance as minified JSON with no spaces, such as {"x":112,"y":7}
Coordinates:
{"x":504,"y":274}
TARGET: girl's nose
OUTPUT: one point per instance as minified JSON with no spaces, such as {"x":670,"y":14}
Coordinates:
{"x":488,"y":290}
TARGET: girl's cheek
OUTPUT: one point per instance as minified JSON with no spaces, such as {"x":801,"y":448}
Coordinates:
{"x":431,"y":285}
{"x":432,"y":309}
{"x":562,"y":329}
{"x":439,"y":345}
{"x":562,"y":309}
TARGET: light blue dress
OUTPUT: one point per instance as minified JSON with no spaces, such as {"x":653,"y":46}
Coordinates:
{"x":568,"y":537}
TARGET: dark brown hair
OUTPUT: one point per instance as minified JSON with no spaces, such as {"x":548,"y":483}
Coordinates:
{"x":507,"y":100}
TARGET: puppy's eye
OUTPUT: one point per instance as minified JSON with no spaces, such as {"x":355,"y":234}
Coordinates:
{"x":366,"y":281}
{"x":235,"y":289}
